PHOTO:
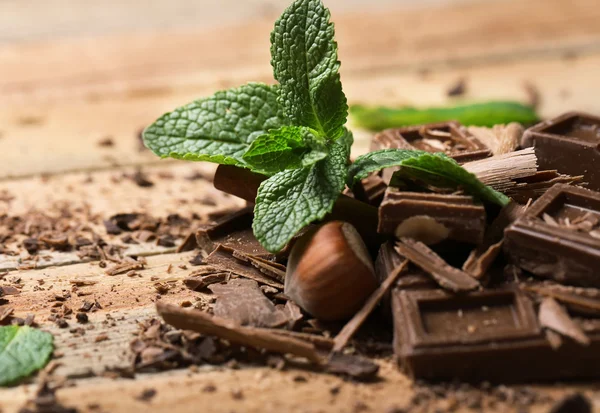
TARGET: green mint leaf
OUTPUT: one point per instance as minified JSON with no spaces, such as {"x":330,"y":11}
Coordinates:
{"x":219,"y":128}
{"x":289,"y":147}
{"x":433,"y":168}
{"x":305,"y":63}
{"x":23,"y":350}
{"x":292,"y":199}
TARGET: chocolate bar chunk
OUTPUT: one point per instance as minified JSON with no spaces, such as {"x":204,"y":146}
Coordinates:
{"x":570,"y":144}
{"x":431,"y":217}
{"x":447,"y":137}
{"x":370,"y":190}
{"x":558,"y":237}
{"x":491,"y":335}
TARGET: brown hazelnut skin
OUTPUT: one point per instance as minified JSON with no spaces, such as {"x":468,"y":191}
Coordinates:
{"x":330,"y":272}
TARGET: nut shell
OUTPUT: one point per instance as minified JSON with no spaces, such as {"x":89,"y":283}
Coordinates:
{"x":330,"y":272}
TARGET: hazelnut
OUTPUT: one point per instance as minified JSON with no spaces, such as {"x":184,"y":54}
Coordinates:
{"x":330,"y":272}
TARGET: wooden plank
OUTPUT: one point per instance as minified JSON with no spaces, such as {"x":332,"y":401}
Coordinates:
{"x":92,"y":197}
{"x":397,"y":39}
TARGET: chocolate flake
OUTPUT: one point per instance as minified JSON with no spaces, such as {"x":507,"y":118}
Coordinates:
{"x":446,"y":276}
{"x":552,"y":315}
{"x":242,"y":301}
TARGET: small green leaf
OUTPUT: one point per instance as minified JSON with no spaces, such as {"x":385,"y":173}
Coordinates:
{"x":219,"y":128}
{"x":433,"y":168}
{"x":23,"y":350}
{"x":305,"y":63}
{"x":289,"y":147}
{"x":292,"y":199}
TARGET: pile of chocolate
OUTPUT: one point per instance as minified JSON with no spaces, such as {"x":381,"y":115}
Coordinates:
{"x":475,"y":292}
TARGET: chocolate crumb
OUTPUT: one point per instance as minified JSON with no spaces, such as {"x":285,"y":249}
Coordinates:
{"x":82,"y":318}
{"x":141,"y":179}
{"x":147,"y":395}
{"x":574,"y":403}
{"x":106,"y":142}
{"x":458,"y":88}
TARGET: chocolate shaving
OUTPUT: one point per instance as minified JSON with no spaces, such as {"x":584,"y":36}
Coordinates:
{"x":243,"y":302}
{"x":354,"y":366}
{"x":223,"y":258}
{"x":226,"y":329}
{"x":576,"y":302}
{"x":553,"y":316}
{"x":446,"y":276}
{"x":124,"y":267}
{"x":359,"y":318}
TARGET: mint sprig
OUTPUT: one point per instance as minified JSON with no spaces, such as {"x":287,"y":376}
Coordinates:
{"x":293,"y":132}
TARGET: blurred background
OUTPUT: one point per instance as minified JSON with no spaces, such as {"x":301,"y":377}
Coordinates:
{"x":79,"y":79}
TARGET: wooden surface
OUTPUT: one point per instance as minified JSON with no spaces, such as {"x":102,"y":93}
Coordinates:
{"x":66,"y":85}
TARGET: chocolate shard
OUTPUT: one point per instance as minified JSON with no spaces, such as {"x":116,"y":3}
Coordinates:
{"x":566,"y":252}
{"x":447,"y":137}
{"x":387,"y":262}
{"x":490,"y":335}
{"x":238,"y":181}
{"x":202,"y":278}
{"x":234,"y":231}
{"x":569,"y":143}
{"x":353,"y":366}
{"x":445,"y":275}
{"x":207,"y":324}
{"x":370,"y":190}
{"x":242,"y":301}
{"x":482,"y":257}
{"x":577,"y":299}
{"x":224,"y":259}
{"x":500,"y":139}
{"x":431,"y":217}
{"x":553,"y":316}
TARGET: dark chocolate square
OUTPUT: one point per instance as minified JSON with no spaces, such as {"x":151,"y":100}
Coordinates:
{"x":541,"y":242}
{"x":570,"y":144}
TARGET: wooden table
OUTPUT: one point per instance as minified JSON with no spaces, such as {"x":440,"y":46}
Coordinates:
{"x":65,"y":87}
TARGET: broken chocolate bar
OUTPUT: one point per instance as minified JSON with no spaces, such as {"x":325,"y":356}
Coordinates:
{"x":570,"y":144}
{"x":558,"y":237}
{"x":490,"y":335}
{"x":430,"y":217}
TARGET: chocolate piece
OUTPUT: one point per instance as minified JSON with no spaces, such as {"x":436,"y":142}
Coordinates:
{"x":243,"y":302}
{"x":370,"y":190}
{"x":482,"y":257}
{"x":536,"y":185}
{"x":202,"y":278}
{"x":445,"y":275}
{"x":564,"y":252}
{"x":489,"y":335}
{"x":451,"y":216}
{"x":224,"y":258}
{"x":238,"y":181}
{"x":570,"y":144}
{"x":354,"y":366}
{"x":387,"y":262}
{"x":554,"y":317}
{"x":447,"y":137}
{"x":575,"y":298}
{"x":233,"y":231}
